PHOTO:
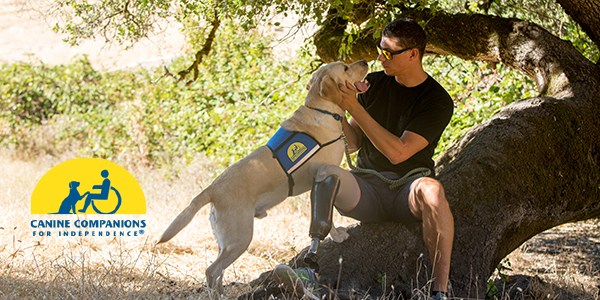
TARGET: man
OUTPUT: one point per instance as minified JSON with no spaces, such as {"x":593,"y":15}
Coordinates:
{"x":103,"y":195}
{"x":396,"y":125}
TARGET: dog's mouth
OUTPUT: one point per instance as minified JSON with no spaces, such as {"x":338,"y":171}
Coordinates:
{"x":362,"y":86}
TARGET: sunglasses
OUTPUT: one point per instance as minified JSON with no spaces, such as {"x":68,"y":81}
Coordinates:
{"x":389,"y":54}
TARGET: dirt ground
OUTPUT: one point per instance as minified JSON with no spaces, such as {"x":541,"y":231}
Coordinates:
{"x":564,"y":262}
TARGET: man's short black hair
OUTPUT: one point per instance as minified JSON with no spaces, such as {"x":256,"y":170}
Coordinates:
{"x":408,"y":32}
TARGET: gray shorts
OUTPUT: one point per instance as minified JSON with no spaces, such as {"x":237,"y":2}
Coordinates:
{"x":378,"y":203}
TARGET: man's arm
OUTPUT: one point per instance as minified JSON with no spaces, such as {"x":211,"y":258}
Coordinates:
{"x":353,"y":134}
{"x":396,"y":149}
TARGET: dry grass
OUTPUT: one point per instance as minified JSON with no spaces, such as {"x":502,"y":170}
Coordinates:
{"x":123,"y":268}
{"x":128,"y":268}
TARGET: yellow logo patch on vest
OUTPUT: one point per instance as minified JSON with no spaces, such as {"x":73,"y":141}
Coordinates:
{"x":88,"y":186}
{"x":295,"y":150}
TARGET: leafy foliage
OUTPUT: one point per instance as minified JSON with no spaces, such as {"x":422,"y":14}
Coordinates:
{"x":233,"y":107}
{"x":479,"y":92}
{"x":242,"y":95}
{"x":32,"y":95}
{"x":128,"y":22}
{"x":125,"y":22}
{"x":243,"y":91}
{"x":492,"y":291}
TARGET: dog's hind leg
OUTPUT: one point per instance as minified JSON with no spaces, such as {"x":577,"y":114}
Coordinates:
{"x":233,"y":230}
{"x":267,"y":200}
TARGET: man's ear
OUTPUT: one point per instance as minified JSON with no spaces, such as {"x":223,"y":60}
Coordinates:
{"x":330,"y":89}
{"x":414,"y":53}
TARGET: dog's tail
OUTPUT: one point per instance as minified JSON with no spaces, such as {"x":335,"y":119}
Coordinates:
{"x":186,"y":216}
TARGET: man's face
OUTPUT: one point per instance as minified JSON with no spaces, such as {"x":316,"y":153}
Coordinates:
{"x":396,"y":65}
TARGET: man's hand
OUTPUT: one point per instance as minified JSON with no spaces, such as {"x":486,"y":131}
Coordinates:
{"x":349,"y":100}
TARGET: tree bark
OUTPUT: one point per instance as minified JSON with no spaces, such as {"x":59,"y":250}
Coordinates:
{"x":533,"y":166}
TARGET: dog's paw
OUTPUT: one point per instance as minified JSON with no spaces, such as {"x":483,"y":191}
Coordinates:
{"x":339,"y":234}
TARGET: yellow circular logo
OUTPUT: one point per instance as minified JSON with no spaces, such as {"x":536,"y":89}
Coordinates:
{"x":295,"y":150}
{"x":88,"y":186}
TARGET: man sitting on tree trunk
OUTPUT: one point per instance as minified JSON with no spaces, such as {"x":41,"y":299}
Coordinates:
{"x":396,"y":124}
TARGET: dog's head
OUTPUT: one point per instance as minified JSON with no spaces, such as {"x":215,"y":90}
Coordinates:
{"x":326,"y":82}
{"x":73,"y":184}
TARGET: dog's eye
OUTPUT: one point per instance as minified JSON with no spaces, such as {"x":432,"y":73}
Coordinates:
{"x":345,"y":68}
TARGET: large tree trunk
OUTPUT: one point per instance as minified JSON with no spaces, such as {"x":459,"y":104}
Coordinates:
{"x":533,"y":166}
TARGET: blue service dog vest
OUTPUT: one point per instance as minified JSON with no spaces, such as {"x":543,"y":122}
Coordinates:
{"x":292,"y":149}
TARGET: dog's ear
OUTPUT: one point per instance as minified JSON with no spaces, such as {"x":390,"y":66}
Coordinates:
{"x":310,"y":82}
{"x":330,"y":89}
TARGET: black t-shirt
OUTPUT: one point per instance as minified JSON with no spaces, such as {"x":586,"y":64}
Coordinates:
{"x":425,"y":110}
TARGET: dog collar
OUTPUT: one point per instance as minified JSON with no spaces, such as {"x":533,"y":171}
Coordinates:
{"x":337,"y":117}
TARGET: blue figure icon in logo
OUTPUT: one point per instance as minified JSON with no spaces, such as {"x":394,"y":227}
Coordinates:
{"x":68,"y":204}
{"x":105,"y":188}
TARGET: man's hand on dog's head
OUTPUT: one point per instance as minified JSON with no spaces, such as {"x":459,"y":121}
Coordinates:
{"x":349,"y":100}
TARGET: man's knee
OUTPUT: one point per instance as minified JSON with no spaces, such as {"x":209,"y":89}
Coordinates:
{"x":430,"y":193}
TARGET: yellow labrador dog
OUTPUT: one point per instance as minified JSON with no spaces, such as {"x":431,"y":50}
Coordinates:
{"x":256,"y":183}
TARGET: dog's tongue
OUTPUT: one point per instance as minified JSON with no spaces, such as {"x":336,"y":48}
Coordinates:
{"x":361,"y":86}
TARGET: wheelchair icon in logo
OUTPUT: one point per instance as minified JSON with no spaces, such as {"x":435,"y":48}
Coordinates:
{"x":99,"y":211}
{"x":105,"y":189}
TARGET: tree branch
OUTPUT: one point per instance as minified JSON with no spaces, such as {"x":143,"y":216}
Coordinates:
{"x":522,"y":45}
{"x":202,"y":53}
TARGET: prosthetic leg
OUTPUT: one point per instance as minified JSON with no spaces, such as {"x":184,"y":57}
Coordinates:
{"x":322,"y":197}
